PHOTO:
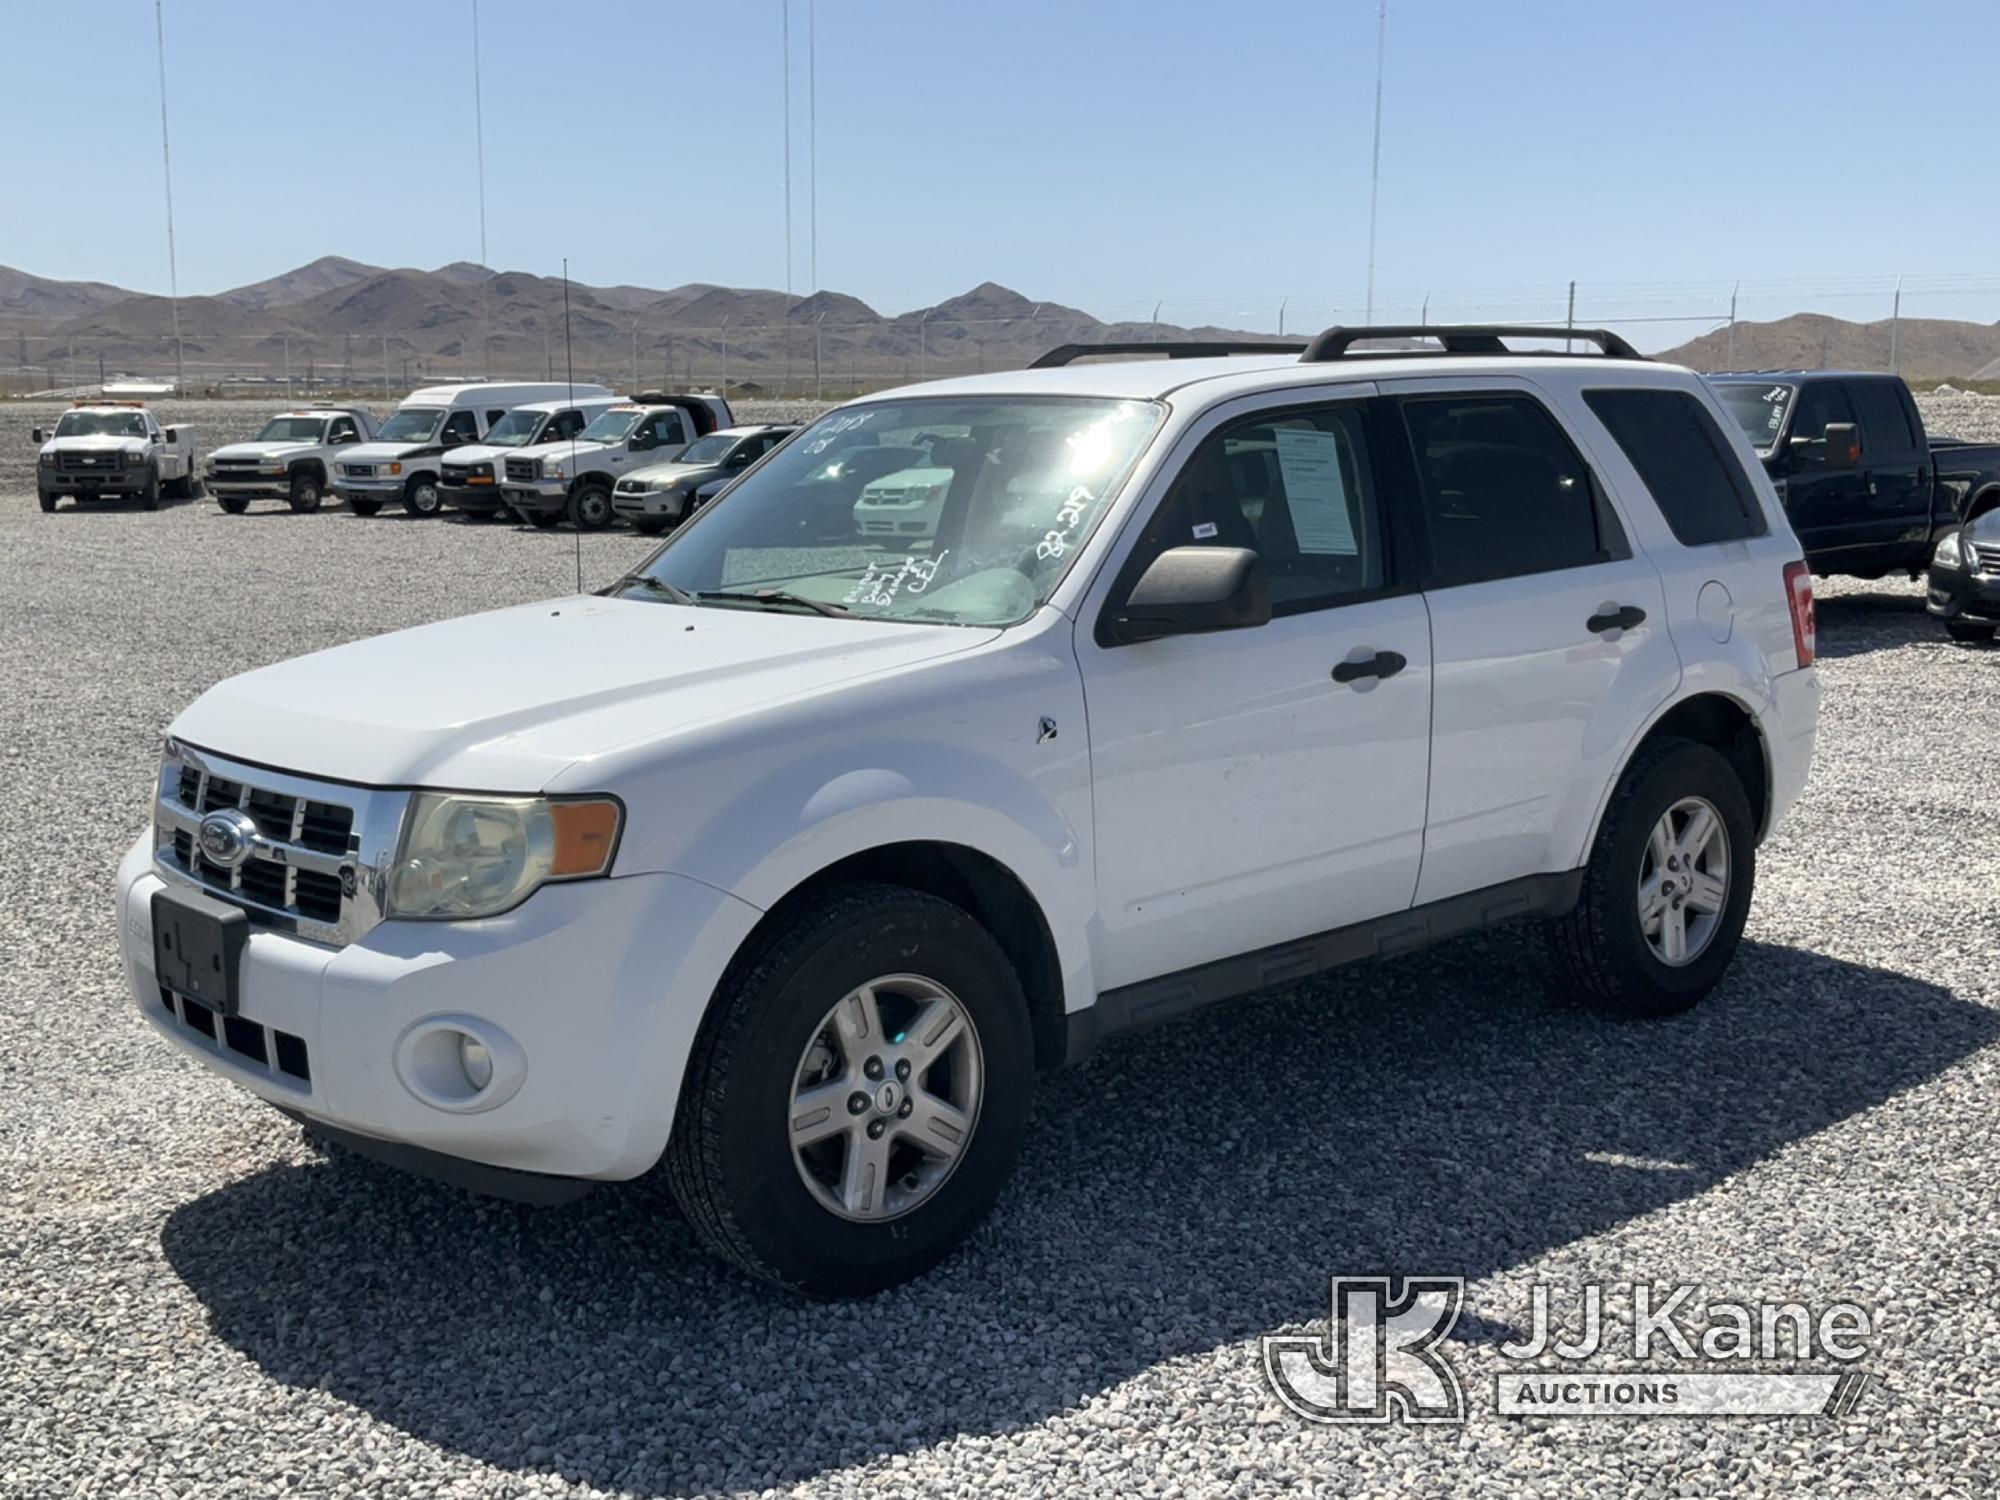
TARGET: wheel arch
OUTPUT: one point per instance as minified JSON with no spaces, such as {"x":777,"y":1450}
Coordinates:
{"x":978,"y":884}
{"x":1981,"y":502}
{"x":1725,"y":724}
{"x":315,"y":467}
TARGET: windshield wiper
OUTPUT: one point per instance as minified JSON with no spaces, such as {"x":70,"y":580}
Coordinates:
{"x":657,"y":585}
{"x":767,"y":597}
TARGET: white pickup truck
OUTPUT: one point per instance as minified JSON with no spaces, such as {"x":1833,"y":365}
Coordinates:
{"x":791,"y":859}
{"x":574,"y":478}
{"x":103,"y":450}
{"x":289,"y":459}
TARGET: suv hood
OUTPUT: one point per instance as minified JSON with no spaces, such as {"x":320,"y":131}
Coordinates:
{"x":505,"y":701}
{"x":272,"y":449}
{"x":659,"y":476}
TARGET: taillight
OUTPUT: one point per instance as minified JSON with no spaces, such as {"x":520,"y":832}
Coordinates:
{"x":1805,"y":629}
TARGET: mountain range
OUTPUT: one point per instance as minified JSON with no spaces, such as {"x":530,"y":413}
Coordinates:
{"x":339,"y":320}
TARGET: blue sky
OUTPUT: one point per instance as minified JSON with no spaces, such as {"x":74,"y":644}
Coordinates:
{"x":1104,"y":153}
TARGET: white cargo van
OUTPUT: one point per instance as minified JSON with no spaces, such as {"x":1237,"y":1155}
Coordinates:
{"x":403,"y":461}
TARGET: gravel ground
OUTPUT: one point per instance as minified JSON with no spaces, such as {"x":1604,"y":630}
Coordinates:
{"x":194,"y":1303}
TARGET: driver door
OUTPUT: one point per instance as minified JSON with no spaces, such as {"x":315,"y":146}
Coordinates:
{"x":1250,"y":786}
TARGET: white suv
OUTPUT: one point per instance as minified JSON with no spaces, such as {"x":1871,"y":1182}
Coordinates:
{"x":791,"y":859}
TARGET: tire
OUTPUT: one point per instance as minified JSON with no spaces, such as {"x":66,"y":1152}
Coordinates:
{"x":48,"y":500}
{"x":542,"y":520}
{"x":364,"y":507}
{"x":421,"y":497}
{"x":751,"y":1196}
{"x":149,"y":497}
{"x":1968,"y":631}
{"x":307,"y":492}
{"x":648,"y":527}
{"x":1602,"y":949}
{"x":234,"y":504}
{"x":590,"y":507}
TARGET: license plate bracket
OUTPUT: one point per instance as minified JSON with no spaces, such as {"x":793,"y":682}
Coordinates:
{"x":198,"y":947}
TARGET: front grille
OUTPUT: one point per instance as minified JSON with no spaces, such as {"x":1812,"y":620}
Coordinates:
{"x":269,"y":1048}
{"x":89,"y":462}
{"x":1986,"y":556}
{"x":524,"y":470}
{"x":358,"y":471}
{"x":297,"y":824}
{"x":244,"y":465}
{"x":455,"y":473}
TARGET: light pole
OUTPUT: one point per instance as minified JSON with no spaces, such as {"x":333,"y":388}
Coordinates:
{"x":1375,"y":159}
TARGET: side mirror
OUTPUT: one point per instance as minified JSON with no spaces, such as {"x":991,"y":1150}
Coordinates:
{"x":1192,"y":590}
{"x":168,"y":436}
{"x":38,"y":437}
{"x":639,"y":442}
{"x":1843,"y":445}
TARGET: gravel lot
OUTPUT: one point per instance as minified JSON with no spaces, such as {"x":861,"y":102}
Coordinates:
{"x":193,"y":1303}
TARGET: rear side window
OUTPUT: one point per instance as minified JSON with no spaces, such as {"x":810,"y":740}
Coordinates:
{"x":1504,"y":492}
{"x":1682,"y":456}
{"x":1885,"y":424}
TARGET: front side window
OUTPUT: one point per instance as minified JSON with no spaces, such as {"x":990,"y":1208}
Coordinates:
{"x":958,"y":511}
{"x":613,"y":425}
{"x":1885,"y":428}
{"x":662,"y":429}
{"x":1680,"y":453}
{"x":411,"y":424}
{"x":712,"y":449}
{"x":1503,"y":492}
{"x":1296,"y":488}
{"x":343,"y":430}
{"x":1822,"y":404}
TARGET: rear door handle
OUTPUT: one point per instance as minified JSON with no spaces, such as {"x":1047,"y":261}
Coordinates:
{"x":1381,"y":664}
{"x":1623,"y":618}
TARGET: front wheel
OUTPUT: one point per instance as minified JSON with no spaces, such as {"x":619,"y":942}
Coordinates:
{"x":855,"y":1100}
{"x":306,"y":493}
{"x":590,"y":507}
{"x":364,"y":507}
{"x":421,"y":497}
{"x":149,"y":497}
{"x":234,"y":504}
{"x":542,"y":520}
{"x":1667,"y":888}
{"x":1969,"y":631}
{"x":48,"y":500}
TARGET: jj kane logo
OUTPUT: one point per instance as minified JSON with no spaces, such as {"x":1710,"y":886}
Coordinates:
{"x":1382,"y":1359}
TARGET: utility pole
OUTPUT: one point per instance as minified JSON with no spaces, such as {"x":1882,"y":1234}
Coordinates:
{"x":819,"y":390}
{"x":923,"y":345}
{"x":167,"y":165}
{"x":725,"y":355}
{"x":288,"y":366}
{"x":479,"y":149}
{"x":1895,"y":319}
{"x":785,"y":47}
{"x":812,"y":142}
{"x":1729,"y":358}
{"x":385,"y":367}
{"x":1375,"y":159}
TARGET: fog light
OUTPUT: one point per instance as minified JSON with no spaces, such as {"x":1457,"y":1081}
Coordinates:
{"x":476,"y":1060}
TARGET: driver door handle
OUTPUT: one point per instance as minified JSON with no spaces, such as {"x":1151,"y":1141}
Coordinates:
{"x":1616,"y":619}
{"x":1381,"y":664}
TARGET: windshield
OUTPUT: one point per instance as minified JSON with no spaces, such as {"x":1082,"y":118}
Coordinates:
{"x":982,"y":507}
{"x":712,"y":449}
{"x":101,"y":424}
{"x":410,"y":424}
{"x":1759,"y":409}
{"x":517,"y":429}
{"x":291,"y":430}
{"x":613,"y":426}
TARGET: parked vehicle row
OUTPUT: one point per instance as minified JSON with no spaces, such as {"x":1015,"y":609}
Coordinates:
{"x":113,"y":450}
{"x":787,"y":862}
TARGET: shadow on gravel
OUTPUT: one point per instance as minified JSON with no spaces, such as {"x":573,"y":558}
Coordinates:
{"x":1856,"y":624}
{"x":1182,"y":1190}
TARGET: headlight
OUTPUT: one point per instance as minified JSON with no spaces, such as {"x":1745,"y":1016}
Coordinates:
{"x":49,"y":459}
{"x":1950,"y":552}
{"x":464,"y":857}
{"x":484,"y":471}
{"x":133,"y":460}
{"x":555,"y":471}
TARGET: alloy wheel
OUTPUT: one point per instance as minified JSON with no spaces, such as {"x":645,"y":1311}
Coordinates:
{"x":1684,"y":881}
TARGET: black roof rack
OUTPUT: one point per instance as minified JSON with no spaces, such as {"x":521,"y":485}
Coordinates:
{"x":1458,"y":338}
{"x":1064,"y":354}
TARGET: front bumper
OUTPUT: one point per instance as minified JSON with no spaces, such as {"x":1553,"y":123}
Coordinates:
{"x":1792,"y":733}
{"x":591,"y":993}
{"x":120,"y":481}
{"x":545,"y":497}
{"x":652,"y":505}
{"x":249,"y":486}
{"x":382,"y":487}
{"x":480,"y":499}
{"x":1960,"y":593}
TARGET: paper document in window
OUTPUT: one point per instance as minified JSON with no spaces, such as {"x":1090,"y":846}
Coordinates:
{"x":1309,"y":460}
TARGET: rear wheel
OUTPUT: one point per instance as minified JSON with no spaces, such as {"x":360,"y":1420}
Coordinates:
{"x":856,"y":1098}
{"x":590,"y":507}
{"x":1667,"y":888}
{"x":1970,"y":631}
{"x":306,"y":492}
{"x":234,"y":504}
{"x":364,"y":507}
{"x":420,"y":496}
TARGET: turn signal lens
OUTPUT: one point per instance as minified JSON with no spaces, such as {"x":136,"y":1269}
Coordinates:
{"x":586,"y":836}
{"x":1805,"y":627}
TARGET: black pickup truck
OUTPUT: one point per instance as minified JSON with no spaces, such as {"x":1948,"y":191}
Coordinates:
{"x":1867,"y":490}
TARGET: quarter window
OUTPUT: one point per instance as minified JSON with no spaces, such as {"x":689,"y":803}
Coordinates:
{"x":1298,"y":489}
{"x":1503,"y":491}
{"x":1692,"y":473}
